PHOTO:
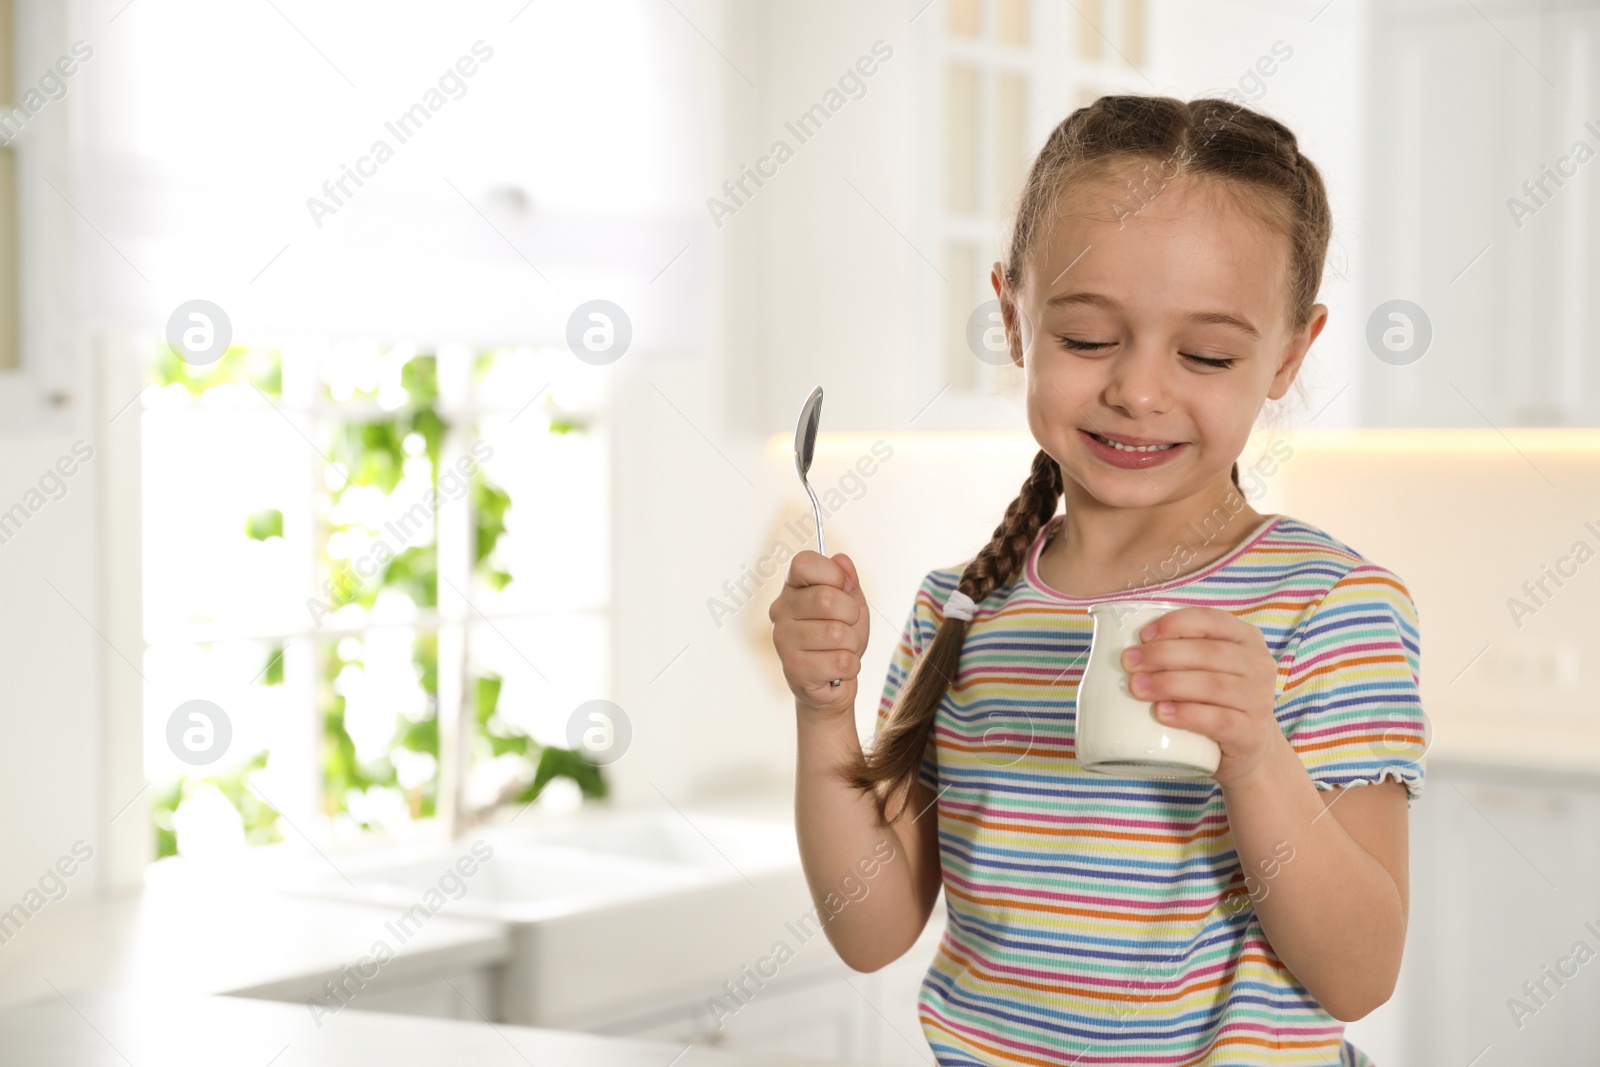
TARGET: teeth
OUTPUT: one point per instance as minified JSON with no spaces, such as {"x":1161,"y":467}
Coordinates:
{"x":1132,"y":448}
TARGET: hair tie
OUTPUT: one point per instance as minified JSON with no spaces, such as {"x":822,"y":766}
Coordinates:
{"x":960,"y":606}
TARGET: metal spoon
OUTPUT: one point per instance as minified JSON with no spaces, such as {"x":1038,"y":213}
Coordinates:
{"x":805,"y":446}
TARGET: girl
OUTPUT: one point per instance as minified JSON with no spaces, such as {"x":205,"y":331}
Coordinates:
{"x":1157,"y":290}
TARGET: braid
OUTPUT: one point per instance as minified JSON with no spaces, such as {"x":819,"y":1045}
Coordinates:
{"x":897,"y":752}
{"x":896,"y":756}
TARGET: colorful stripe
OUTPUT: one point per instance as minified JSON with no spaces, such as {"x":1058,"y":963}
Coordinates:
{"x":1099,"y":921}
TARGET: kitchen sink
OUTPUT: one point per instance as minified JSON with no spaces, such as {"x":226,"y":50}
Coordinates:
{"x":612,"y":913}
{"x":720,"y":845}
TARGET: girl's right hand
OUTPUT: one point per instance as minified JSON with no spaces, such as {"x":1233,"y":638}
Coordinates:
{"x":819,"y":627}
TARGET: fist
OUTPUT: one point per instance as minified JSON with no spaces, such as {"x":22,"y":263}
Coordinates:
{"x":819,"y":627}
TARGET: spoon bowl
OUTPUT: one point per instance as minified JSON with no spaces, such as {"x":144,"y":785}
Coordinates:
{"x":805,"y":448}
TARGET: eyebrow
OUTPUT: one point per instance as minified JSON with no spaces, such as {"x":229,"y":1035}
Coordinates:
{"x":1203,"y":318}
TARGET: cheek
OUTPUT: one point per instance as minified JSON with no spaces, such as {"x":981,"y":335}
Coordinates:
{"x":1060,"y":389}
{"x":1040,"y":414}
{"x":1225,"y":419}
{"x":1048,"y":409}
{"x":1059,"y":381}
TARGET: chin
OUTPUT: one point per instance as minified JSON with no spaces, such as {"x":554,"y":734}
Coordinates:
{"x":1115,"y":488}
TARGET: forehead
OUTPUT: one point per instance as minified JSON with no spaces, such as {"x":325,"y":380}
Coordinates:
{"x":1186,"y":245}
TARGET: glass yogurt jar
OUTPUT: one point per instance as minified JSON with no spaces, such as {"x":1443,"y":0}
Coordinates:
{"x":1118,"y":733}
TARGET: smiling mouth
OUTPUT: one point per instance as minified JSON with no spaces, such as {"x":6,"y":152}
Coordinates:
{"x":1119,"y":446}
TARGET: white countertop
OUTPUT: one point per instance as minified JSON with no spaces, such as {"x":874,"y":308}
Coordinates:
{"x":209,"y":940}
{"x":116,"y":1030}
{"x":138,"y":978}
{"x":229,"y":927}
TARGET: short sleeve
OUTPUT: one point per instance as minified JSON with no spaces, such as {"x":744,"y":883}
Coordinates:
{"x":1350,"y":700}
{"x":921,"y":625}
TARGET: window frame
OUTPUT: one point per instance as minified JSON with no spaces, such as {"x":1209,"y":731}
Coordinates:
{"x":122,"y":368}
{"x":1057,"y":80}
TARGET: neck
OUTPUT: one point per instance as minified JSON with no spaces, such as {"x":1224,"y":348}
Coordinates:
{"x":1096,"y":538}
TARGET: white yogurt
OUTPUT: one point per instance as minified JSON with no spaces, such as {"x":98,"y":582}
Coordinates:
{"x":1118,"y":733}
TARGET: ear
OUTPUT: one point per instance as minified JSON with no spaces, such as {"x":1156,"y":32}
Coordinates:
{"x":1010,"y":313}
{"x":1294,"y":354}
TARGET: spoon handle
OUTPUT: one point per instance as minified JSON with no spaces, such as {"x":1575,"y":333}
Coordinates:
{"x":816,"y":516}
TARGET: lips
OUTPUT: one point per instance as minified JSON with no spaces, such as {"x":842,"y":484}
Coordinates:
{"x":1125,"y":439}
{"x":1131,"y":458}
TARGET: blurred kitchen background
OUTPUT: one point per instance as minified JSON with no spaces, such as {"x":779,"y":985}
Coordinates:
{"x":397,"y":403}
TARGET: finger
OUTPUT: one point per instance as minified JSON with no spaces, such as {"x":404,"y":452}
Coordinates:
{"x":1229,"y":657}
{"x":818,"y":669}
{"x":820,"y":635}
{"x":853,"y":587}
{"x":1206,"y":687}
{"x":825,"y":602}
{"x":809,"y":568}
{"x":1200,"y":622}
{"x":1222,"y":724}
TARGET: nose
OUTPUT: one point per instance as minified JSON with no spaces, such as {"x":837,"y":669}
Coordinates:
{"x":1138,"y":385}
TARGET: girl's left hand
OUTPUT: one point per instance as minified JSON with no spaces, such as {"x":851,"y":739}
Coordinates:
{"x":1214,"y":672}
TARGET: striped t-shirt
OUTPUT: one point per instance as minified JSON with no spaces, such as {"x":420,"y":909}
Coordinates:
{"x":1105,"y":921}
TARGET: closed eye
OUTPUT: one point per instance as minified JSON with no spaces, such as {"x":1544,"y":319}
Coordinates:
{"x":1095,"y":346}
{"x":1209,"y":361}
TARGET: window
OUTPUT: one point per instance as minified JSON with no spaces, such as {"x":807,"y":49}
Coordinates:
{"x":363,"y":558}
{"x":1007,"y":72}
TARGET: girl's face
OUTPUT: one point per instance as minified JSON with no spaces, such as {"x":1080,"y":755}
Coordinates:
{"x":1171,"y":327}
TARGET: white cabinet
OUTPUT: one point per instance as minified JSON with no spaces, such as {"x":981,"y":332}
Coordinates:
{"x":1505,"y":882}
{"x":824,"y":1012}
{"x":1481,"y":210}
